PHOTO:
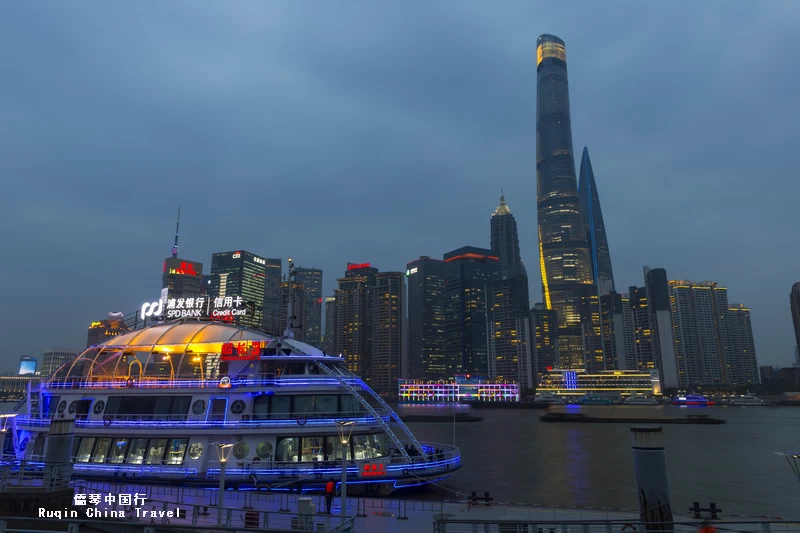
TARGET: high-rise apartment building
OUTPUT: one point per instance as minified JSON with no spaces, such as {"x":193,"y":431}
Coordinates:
{"x":615,"y":332}
{"x":544,"y":339}
{"x":599,"y":252}
{"x":564,"y":260}
{"x":329,"y":339}
{"x":294,"y":292}
{"x":311,"y":279}
{"x":426,"y":319}
{"x":389,"y":352}
{"x":272,"y":296}
{"x":641,"y":330}
{"x":699,"y":312}
{"x":352,"y":323}
{"x":794,"y":304}
{"x":243,"y":274}
{"x":54,"y":358}
{"x":741,"y":367}
{"x":469,"y":271}
{"x":661,"y":322}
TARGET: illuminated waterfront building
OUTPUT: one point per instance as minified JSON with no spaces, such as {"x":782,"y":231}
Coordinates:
{"x":55,"y":357}
{"x":580,"y":383}
{"x":294,"y":292}
{"x":13,"y":388}
{"x":544,"y":335}
{"x":426,"y":319}
{"x":272,"y":296}
{"x":595,"y":227}
{"x":389,"y":350}
{"x":469,"y":271}
{"x":741,"y":367}
{"x":99,"y":331}
{"x":27,"y":365}
{"x":455,"y":391}
{"x":311,"y":279}
{"x":329,"y":340}
{"x":241,"y":273}
{"x":642,"y":330}
{"x":565,"y":263}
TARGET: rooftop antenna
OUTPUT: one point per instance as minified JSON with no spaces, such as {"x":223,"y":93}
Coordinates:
{"x":177,"y":227}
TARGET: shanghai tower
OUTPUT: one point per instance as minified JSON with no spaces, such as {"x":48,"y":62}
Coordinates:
{"x":595,"y":228}
{"x":564,"y":260}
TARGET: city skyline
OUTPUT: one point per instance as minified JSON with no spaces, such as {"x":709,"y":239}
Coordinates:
{"x":674,"y":173}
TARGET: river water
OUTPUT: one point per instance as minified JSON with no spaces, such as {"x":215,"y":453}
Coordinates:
{"x":518,"y":458}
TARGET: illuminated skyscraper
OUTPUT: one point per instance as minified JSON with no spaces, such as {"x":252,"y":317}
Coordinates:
{"x":353,"y":320}
{"x":564,"y":260}
{"x":426,"y":319}
{"x":740,"y":348}
{"x":388,"y":332}
{"x":240,"y":274}
{"x":544,"y":339}
{"x":294,"y":292}
{"x":329,"y":339}
{"x":794,"y":304}
{"x":595,"y":227}
{"x":311,"y":279}
{"x":180,"y":278}
{"x":272,"y":296}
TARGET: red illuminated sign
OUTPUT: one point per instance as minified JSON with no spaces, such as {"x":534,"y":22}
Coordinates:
{"x":241,"y":351}
{"x":373,"y":470}
{"x":358,"y":266}
{"x":186,"y":269}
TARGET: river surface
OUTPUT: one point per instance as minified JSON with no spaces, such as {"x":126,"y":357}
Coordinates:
{"x":518,"y":458}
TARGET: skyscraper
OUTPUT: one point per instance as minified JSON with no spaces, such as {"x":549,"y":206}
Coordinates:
{"x":615,"y":345}
{"x":794,"y":304}
{"x":388,"y":332}
{"x":564,"y":259}
{"x":661,"y":323}
{"x":426,"y":319}
{"x":329,"y":339}
{"x":642,"y":330}
{"x":740,"y":348}
{"x":544,"y":339}
{"x":469,"y":271}
{"x":272,"y":296}
{"x":55,"y":357}
{"x":242,"y":274}
{"x":509,"y":350}
{"x":595,"y":227}
{"x":311,"y":279}
{"x":352,"y":322}
{"x":180,"y":278}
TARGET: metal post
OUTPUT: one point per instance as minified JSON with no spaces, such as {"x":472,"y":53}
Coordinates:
{"x":650,"y":467}
{"x":344,"y":479}
{"x":221,"y":497}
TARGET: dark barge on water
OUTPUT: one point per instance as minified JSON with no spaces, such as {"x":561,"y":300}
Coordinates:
{"x":580,"y":417}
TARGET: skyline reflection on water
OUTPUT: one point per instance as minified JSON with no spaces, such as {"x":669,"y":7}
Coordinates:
{"x":518,"y":458}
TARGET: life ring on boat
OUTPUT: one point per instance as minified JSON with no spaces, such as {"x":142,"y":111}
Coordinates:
{"x":405,"y":472}
{"x":302,"y":421}
{"x":628,"y":527}
{"x":106,"y":421}
{"x":129,"y":383}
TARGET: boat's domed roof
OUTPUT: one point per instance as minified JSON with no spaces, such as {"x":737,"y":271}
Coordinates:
{"x":184,"y":333}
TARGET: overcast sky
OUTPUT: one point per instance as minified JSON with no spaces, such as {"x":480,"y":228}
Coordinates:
{"x":378,"y":132}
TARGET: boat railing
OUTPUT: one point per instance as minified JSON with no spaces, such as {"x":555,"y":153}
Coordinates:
{"x":523,"y":524}
{"x":247,"y":420}
{"x":187,"y":382}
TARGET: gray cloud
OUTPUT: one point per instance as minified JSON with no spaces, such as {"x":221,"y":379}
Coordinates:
{"x":393,"y":126}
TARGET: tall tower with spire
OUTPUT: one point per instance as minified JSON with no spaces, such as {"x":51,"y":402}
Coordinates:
{"x":180,"y":278}
{"x":595,"y":228}
{"x":509,"y":352}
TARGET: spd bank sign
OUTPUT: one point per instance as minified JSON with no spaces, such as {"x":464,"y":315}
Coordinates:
{"x":222,"y":307}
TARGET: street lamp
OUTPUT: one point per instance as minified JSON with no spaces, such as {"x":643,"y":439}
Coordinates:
{"x":345,"y":430}
{"x":199,"y":360}
{"x":223,"y":452}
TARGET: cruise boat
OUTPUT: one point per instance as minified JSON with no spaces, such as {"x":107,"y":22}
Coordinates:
{"x":640,"y":399}
{"x":691,"y":399}
{"x":597,"y":399}
{"x":551,"y":399}
{"x":162,"y":402}
{"x":746,"y":399}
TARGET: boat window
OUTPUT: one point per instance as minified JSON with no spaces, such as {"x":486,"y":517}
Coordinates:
{"x":85,"y":451}
{"x":326,"y":404}
{"x":312,"y":449}
{"x":162,"y":407}
{"x":287,"y":449}
{"x":219,"y":409}
{"x":269,"y":367}
{"x":180,"y":407}
{"x":303,"y":405}
{"x":133,"y":407}
{"x":101,"y":450}
{"x":281,"y":405}
{"x":369,"y":446}
{"x":291,"y":369}
{"x":50,"y":404}
{"x":351,"y":404}
{"x":156,"y":453}
{"x":75,"y":445}
{"x":334,"y":445}
{"x":138,"y":449}
{"x":82,"y":407}
{"x":119,"y":450}
{"x":38,"y":446}
{"x":314,"y":369}
{"x":260,"y":407}
{"x":177,"y":448}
